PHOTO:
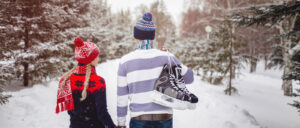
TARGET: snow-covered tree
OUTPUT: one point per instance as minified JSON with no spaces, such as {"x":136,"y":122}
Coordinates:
{"x":284,"y":16}
{"x":189,"y":51}
{"x":33,"y":39}
{"x":37,"y":36}
{"x":111,"y":32}
{"x":123,"y":41}
{"x":207,"y":58}
{"x":225,"y":46}
{"x":228,"y":52}
{"x":295,"y":69}
{"x":201,"y":15}
{"x":217,"y":58}
{"x":3,"y":98}
{"x":165,"y":33}
{"x":296,"y":103}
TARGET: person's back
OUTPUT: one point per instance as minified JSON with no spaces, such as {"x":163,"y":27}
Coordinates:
{"x":92,"y":111}
{"x":137,"y":74}
{"x":82,"y":92}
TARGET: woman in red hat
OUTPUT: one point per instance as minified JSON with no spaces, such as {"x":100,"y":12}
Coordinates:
{"x":82,"y":92}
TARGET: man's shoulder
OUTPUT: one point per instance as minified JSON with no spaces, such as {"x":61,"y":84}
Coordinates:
{"x":143,"y":54}
{"x":128,"y":55}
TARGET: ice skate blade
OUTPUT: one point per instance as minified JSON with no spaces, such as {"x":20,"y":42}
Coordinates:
{"x":192,"y":106}
{"x":171,"y":102}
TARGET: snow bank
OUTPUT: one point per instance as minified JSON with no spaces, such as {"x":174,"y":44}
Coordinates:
{"x":213,"y":111}
{"x":259,"y":104}
{"x":33,"y":108}
{"x":261,"y":94}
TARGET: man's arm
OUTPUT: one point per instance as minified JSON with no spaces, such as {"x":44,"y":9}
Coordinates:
{"x":122,"y":95}
{"x":188,"y":74}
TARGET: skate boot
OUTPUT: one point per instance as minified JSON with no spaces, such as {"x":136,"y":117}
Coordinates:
{"x":166,"y":92}
{"x":179,"y":81}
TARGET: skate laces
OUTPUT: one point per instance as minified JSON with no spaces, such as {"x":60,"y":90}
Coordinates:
{"x":172,"y":81}
{"x":181,"y":84}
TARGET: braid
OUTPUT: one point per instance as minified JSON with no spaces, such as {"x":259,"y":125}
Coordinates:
{"x":86,"y":82}
{"x":67,"y":76}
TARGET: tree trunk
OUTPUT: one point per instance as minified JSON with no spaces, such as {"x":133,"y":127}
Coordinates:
{"x":253,"y":59}
{"x":286,"y":26}
{"x":230,"y":68}
{"x":25,"y":64}
{"x":230,"y":57}
{"x":229,"y":89}
{"x":253,"y":65}
{"x":211,"y":77}
{"x":266,"y":62}
{"x":230,"y":78}
{"x":287,"y":84}
{"x":25,"y":75}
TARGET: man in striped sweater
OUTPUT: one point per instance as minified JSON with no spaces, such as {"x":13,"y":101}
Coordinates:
{"x":137,"y":74}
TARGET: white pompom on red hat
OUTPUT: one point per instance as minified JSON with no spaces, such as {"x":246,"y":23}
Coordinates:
{"x":85,"y":52}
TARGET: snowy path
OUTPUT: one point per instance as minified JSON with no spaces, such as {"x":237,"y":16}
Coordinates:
{"x":261,"y":94}
{"x":259,"y":104}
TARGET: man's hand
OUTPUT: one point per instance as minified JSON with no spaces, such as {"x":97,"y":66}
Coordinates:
{"x":121,"y":127}
{"x":163,"y":49}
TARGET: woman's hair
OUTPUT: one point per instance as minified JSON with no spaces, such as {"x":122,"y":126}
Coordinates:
{"x":86,"y":81}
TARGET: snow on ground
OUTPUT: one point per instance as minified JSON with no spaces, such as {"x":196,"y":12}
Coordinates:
{"x":33,"y":108}
{"x":260,"y":103}
{"x":261,"y":94}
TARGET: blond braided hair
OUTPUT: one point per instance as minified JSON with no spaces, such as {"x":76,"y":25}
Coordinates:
{"x":67,"y":76}
{"x":86,"y":81}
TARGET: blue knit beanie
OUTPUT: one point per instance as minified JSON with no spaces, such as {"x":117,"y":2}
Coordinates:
{"x":144,"y":29}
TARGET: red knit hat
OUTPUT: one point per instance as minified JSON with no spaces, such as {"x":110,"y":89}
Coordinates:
{"x":85,"y":52}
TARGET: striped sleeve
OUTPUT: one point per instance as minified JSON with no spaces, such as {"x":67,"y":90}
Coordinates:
{"x":188,"y":74}
{"x":122,"y":95}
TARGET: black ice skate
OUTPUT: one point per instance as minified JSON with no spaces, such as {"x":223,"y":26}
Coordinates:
{"x":179,"y":81}
{"x":167,"y":93}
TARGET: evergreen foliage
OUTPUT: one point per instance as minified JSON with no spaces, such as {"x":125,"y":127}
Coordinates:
{"x":33,"y":37}
{"x":37,"y":36}
{"x":285,"y":16}
{"x":3,"y":98}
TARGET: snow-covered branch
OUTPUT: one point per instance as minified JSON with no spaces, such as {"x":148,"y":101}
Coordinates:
{"x":295,"y":49}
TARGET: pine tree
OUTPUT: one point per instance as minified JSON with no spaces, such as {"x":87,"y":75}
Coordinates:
{"x":122,"y":39}
{"x":296,"y":103}
{"x":211,"y":14}
{"x":165,"y":27}
{"x":295,"y":68}
{"x":3,"y":98}
{"x":225,"y":48}
{"x":218,"y":58}
{"x":229,"y":53}
{"x":97,"y":29}
{"x":165,"y":33}
{"x":190,"y":51}
{"x":34,"y":37}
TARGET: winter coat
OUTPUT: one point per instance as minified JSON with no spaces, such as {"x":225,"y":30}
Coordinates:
{"x":91,"y":112}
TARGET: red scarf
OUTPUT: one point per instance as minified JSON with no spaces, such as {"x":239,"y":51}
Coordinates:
{"x":65,"y":100}
{"x":64,"y":97}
